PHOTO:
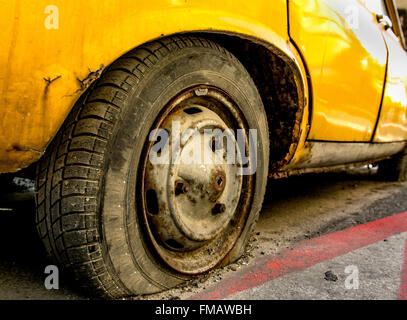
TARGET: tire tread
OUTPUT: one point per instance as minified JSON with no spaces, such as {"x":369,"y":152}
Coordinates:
{"x":69,"y":175}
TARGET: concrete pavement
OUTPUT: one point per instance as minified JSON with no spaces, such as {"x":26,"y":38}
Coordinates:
{"x":365,"y":262}
{"x":295,"y":211}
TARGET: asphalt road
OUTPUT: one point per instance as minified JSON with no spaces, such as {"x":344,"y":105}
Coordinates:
{"x":295,"y":210}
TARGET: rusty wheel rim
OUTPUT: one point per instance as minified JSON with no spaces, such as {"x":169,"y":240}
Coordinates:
{"x":195,"y":203}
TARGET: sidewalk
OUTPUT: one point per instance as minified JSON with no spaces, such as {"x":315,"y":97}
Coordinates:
{"x":368,"y":261}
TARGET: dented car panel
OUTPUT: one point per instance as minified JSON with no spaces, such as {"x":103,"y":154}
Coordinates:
{"x":349,"y":84}
{"x":89,"y":34}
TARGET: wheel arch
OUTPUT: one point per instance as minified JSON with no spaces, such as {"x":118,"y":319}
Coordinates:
{"x":282,"y":81}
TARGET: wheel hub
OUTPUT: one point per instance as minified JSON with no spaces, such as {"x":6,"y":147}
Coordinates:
{"x":201,"y":190}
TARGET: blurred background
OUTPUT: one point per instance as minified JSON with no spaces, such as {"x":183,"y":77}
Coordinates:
{"x":402,"y":7}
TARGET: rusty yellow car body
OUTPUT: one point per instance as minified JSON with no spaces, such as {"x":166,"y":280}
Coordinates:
{"x":342,"y":69}
{"x":86,"y":85}
{"x":92,"y":33}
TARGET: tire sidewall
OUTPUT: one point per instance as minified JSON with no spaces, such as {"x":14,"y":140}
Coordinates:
{"x":123,"y":233}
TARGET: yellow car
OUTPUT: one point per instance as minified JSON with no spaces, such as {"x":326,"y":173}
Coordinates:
{"x":154,"y":125}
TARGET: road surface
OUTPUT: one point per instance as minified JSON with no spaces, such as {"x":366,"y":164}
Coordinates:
{"x":327,"y":236}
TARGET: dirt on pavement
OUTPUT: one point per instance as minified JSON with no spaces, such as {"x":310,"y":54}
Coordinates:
{"x":294,"y":209}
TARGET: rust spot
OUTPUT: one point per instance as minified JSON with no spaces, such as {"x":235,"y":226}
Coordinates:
{"x":181,"y":187}
{"x":280,"y":86}
{"x":218,"y":209}
{"x":18,"y":148}
{"x":15,"y":147}
{"x":218,"y":182}
{"x":297,"y":172}
{"x":92,"y":76}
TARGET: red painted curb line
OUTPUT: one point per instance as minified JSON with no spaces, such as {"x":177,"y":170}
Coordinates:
{"x":308,"y":253}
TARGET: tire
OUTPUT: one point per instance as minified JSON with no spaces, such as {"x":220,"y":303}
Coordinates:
{"x":394,"y":169}
{"x":91,"y":205}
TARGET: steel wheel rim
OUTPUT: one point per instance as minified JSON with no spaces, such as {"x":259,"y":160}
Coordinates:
{"x":200,"y":212}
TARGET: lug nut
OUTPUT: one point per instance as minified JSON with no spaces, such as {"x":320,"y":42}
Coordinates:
{"x":181,"y":187}
{"x":218,"y":209}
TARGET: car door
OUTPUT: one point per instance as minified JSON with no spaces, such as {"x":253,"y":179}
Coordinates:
{"x":392,"y":120}
{"x":346,"y":55}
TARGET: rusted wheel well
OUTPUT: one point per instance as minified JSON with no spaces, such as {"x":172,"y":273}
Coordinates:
{"x":276,"y":82}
